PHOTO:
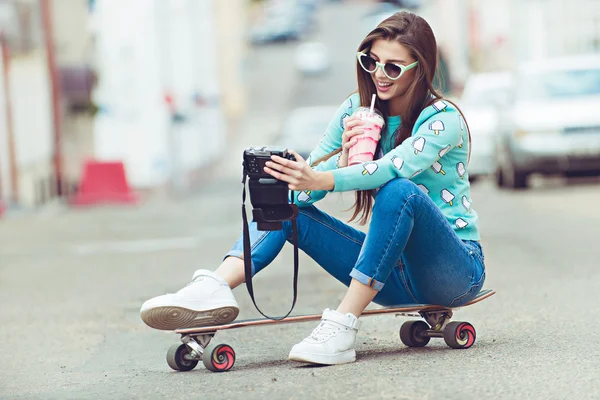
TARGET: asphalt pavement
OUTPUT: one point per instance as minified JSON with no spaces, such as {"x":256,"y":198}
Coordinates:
{"x":72,"y":282}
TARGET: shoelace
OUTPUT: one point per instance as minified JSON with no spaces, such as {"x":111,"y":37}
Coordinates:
{"x":324,"y":330}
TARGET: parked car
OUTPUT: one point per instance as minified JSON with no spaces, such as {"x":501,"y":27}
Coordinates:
{"x":552,"y":125}
{"x":483,"y":96}
{"x":304,"y":127}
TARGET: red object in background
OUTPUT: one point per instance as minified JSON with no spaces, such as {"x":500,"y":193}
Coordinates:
{"x":170,"y":101}
{"x":2,"y":208}
{"x":104,"y":183}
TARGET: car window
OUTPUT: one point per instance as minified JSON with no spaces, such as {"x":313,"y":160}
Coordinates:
{"x":560,"y":84}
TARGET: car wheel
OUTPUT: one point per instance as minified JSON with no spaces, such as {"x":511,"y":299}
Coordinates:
{"x":519,"y":180}
{"x":499,"y":178}
{"x":510,"y":178}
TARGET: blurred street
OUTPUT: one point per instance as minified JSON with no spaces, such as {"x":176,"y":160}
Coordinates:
{"x":72,"y":281}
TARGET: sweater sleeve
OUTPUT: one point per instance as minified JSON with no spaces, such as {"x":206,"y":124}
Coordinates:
{"x":331,"y":141}
{"x":434,"y":135}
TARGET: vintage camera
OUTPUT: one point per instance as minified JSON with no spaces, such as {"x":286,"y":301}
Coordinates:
{"x":269,"y":196}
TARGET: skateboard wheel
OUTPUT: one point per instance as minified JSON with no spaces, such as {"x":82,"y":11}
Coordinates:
{"x":178,"y":358}
{"x":218,"y":357}
{"x":459,"y":335}
{"x":413,"y":333}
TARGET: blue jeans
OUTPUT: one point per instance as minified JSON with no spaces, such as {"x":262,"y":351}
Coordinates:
{"x":411,"y":254}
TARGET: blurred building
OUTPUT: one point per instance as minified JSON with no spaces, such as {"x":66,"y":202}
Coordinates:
{"x":169,"y":85}
{"x":27,"y":150}
{"x":47,"y":110}
{"x":488,"y":35}
{"x":155,"y":84}
{"x":515,"y":30}
{"x":74,"y":53}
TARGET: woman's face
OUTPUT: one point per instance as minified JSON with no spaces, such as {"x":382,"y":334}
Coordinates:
{"x":390,"y":51}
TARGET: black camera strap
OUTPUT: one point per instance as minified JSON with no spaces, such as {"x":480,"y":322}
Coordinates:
{"x":248,"y":256}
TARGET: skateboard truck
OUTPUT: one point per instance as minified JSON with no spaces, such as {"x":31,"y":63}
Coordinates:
{"x":197,"y":344}
{"x":437,"y":319}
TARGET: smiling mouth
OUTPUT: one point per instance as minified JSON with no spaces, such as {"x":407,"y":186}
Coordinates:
{"x":384,"y":84}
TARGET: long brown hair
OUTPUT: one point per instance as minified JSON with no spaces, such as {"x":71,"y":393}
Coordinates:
{"x":415,"y":33}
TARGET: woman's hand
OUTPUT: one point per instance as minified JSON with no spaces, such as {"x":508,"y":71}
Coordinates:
{"x":298,"y":174}
{"x":354,"y":126}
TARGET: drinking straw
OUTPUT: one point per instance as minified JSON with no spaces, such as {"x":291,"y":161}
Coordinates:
{"x":373,"y":103}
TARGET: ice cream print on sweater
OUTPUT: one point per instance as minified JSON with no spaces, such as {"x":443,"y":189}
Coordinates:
{"x":460,"y":223}
{"x":439,"y":105}
{"x":417,"y":172}
{"x":343,"y":120}
{"x":423,"y":188}
{"x":369,"y":168}
{"x":304,"y":196}
{"x":443,"y":151}
{"x":447,"y":196}
{"x":461,"y":170}
{"x":419,"y":145}
{"x":438,"y":168}
{"x":466,"y":204}
{"x":437,"y":126}
{"x":398,"y":163}
{"x":430,"y":157}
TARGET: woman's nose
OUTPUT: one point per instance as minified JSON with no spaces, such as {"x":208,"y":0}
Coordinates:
{"x":379,"y":74}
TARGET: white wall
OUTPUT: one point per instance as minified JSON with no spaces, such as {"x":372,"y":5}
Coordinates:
{"x":31,"y":109}
{"x":497,"y":34}
{"x":545,"y":28}
{"x":535,"y":29}
{"x":32,"y":128}
{"x":71,"y":31}
{"x":146,"y":49}
{"x":4,"y":160}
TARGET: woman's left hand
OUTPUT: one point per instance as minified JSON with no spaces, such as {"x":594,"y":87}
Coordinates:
{"x":298,"y":174}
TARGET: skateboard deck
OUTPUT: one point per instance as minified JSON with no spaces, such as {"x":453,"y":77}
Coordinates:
{"x":400,"y":309}
{"x":221,"y":357}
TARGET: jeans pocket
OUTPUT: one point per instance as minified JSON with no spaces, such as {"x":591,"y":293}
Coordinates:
{"x":475,"y":250}
{"x":400,"y":266}
{"x":470,"y":293}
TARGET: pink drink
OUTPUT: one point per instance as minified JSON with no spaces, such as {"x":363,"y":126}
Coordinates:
{"x":364,"y":149}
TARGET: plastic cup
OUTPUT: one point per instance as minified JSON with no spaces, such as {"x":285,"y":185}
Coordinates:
{"x":366,"y":143}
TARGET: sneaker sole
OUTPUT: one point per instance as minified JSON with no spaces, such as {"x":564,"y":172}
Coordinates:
{"x":169,"y":318}
{"x":325,"y":359}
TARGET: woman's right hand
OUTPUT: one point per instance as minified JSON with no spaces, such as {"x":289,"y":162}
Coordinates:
{"x":354,"y":126}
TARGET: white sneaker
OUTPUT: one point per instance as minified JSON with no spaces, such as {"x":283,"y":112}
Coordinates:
{"x":207,"y":300}
{"x":332,"y":342}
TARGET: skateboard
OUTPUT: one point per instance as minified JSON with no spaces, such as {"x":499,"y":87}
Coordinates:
{"x":220,"y":357}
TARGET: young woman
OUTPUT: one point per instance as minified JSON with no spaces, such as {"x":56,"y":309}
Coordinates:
{"x":423,"y":242}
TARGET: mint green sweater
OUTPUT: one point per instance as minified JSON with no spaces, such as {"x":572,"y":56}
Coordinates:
{"x":435,"y":158}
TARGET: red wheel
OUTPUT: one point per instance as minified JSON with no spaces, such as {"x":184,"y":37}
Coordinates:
{"x":459,"y":335}
{"x":218,"y":357}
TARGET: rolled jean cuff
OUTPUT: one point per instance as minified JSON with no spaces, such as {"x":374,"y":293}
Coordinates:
{"x":366,"y":280}
{"x":239,"y":254}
